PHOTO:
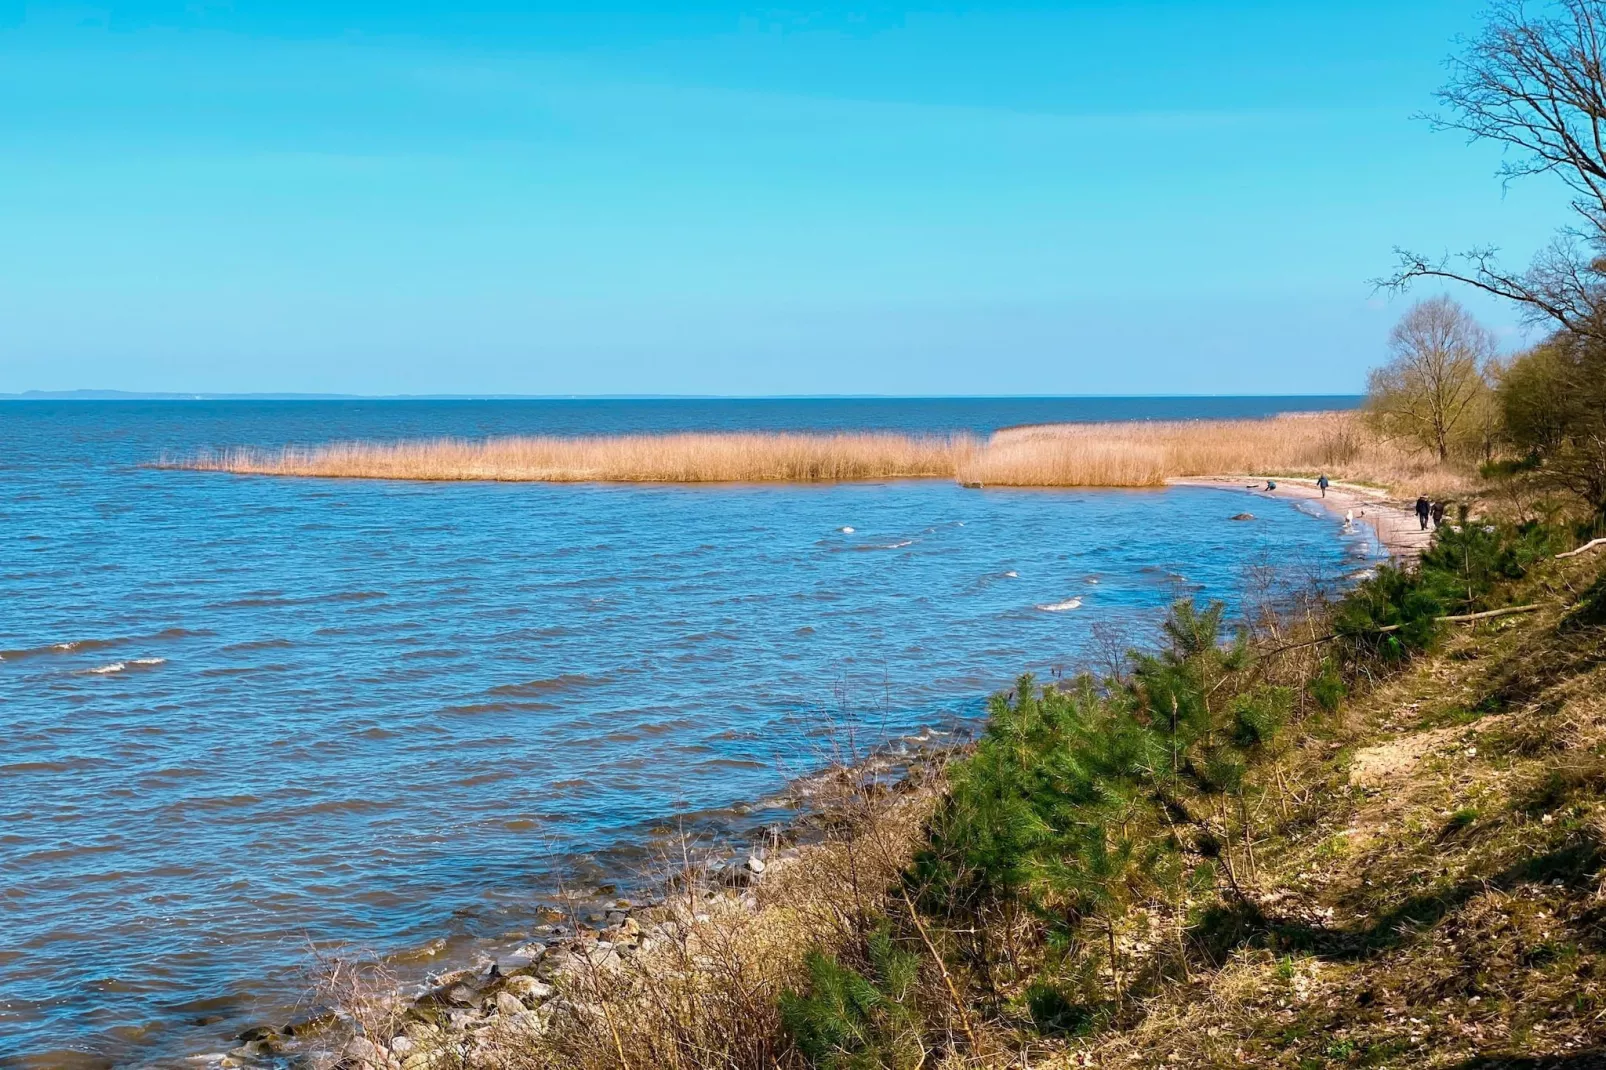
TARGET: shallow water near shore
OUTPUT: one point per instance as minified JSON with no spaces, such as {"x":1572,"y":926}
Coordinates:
{"x":246,"y":715}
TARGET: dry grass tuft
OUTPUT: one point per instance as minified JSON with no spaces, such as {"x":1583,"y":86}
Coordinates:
{"x":1130,"y":454}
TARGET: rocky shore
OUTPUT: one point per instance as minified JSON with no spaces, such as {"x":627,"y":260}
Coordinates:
{"x":550,"y":980}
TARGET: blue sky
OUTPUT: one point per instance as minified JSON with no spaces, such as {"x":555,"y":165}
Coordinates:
{"x":614,"y":197}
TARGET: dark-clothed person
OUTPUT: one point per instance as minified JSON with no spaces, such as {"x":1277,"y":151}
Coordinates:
{"x":1423,"y":510}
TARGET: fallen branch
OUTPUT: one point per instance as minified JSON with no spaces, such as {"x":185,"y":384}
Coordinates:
{"x":1590,"y":545}
{"x":1485,"y":615}
{"x":1458,"y":618}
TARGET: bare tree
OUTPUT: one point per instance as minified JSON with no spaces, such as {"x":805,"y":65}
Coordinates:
{"x":1535,"y":83}
{"x":1433,"y":389}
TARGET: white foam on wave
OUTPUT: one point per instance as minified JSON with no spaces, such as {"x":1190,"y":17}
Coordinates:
{"x":1061,"y":607}
{"x":845,"y":530}
{"x":898,"y":545}
{"x":119,"y":666}
{"x":1012,"y":575}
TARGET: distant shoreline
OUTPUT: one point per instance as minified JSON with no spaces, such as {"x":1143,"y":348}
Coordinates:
{"x":1119,"y":453}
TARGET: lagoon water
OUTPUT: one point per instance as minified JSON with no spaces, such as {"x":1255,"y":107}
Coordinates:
{"x":243,"y":716}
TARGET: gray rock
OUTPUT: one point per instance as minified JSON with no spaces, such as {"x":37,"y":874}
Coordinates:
{"x":554,"y":963}
{"x":462,"y":995}
{"x":528,"y":989}
{"x":530,"y":1023}
{"x":520,"y":958}
{"x":509,"y":1004}
{"x":599,"y":957}
{"x":364,"y":1052}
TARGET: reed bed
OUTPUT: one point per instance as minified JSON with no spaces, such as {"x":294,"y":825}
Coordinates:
{"x":1147,"y":453}
{"x":1129,"y":454}
{"x":675,"y":458}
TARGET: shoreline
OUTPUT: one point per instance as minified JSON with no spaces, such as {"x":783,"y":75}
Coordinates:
{"x":1395,"y":524}
{"x":574,"y":921}
{"x":583,"y":937}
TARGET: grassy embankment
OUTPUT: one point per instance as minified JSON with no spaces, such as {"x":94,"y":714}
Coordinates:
{"x":1355,"y":835}
{"x":1133,"y":454}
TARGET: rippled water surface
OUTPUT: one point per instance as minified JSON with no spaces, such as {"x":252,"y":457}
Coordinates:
{"x":243,"y":714}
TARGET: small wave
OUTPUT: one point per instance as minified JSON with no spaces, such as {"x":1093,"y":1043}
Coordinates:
{"x":258,"y":644}
{"x":120,"y":666}
{"x":845,"y":530}
{"x":1012,"y":575}
{"x":73,"y":647}
{"x":871,"y":547}
{"x":564,"y":682}
{"x":1061,"y":607}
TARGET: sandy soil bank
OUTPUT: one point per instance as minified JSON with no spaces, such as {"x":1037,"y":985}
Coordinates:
{"x":1394,"y":521}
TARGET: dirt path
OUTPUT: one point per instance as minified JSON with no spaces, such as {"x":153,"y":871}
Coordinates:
{"x":1395,"y":522}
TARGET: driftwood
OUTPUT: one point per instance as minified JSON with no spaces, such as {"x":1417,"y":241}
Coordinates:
{"x":1590,"y":545}
{"x":1458,"y":618}
{"x":1485,"y":615}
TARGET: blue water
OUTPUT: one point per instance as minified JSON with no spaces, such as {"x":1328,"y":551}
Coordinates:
{"x":241,"y":715}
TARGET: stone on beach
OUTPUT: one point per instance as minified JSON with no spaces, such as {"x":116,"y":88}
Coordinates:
{"x":462,"y":995}
{"x":507,"y":1003}
{"x":527,"y":989}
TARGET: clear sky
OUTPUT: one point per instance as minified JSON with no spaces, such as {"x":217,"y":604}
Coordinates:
{"x":401,"y":196}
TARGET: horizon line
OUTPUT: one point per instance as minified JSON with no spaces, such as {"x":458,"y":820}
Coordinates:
{"x":137,"y":395}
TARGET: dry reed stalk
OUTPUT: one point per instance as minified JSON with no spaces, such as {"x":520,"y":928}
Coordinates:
{"x":1129,"y":454}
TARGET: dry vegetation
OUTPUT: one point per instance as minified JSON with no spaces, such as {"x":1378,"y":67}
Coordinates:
{"x":1147,"y":453}
{"x":677,"y":458}
{"x":1134,"y":454}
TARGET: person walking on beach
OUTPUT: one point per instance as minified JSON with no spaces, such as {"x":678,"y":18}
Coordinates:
{"x":1422,"y":511}
{"x":1438,"y":513}
{"x":1321,"y":483}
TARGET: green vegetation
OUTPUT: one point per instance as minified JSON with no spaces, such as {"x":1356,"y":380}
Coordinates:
{"x":1116,"y":853}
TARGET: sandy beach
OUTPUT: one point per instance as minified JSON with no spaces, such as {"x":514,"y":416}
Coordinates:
{"x":1394,"y":521}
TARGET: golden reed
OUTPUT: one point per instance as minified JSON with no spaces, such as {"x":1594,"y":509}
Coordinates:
{"x":1128,"y":454}
{"x":754,"y":457}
